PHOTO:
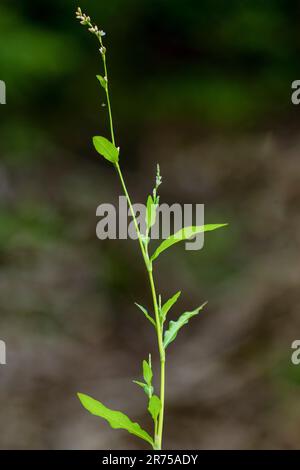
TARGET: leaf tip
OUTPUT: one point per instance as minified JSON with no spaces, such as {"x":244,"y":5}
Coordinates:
{"x":81,"y":397}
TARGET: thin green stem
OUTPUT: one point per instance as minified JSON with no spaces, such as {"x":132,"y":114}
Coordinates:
{"x":108,"y":102}
{"x":158,"y":437}
{"x":111,"y":125}
{"x":146,"y":259}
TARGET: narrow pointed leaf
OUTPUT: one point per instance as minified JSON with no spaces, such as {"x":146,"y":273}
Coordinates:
{"x":102,"y":81}
{"x":148,"y":390}
{"x":151,"y":212}
{"x":106,"y":149}
{"x":116,"y":419}
{"x":154,"y":407}
{"x":147,"y":373}
{"x":184,"y":234}
{"x":174,"y":326}
{"x":151,"y":320}
{"x":137,"y":382}
{"x":169,"y":304}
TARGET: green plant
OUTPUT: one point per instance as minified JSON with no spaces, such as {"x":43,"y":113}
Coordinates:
{"x":156,"y":404}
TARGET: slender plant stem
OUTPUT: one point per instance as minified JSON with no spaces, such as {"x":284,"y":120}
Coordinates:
{"x":146,"y":259}
{"x":158,"y":437}
{"x":108,"y":102}
{"x":159,"y":427}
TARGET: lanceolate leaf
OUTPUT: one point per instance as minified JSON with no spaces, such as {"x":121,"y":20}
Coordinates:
{"x":116,"y":419}
{"x":102,"y":81}
{"x":147,"y":389}
{"x":174,"y":326}
{"x":184,"y":234}
{"x":151,"y":320}
{"x":154,"y":407}
{"x":147,"y":372}
{"x":106,"y":149}
{"x":151,"y":212}
{"x":169,"y":304}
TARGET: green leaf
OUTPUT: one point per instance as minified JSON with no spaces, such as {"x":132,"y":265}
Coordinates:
{"x":148,"y":390}
{"x":116,"y":419}
{"x":174,"y":326}
{"x":102,"y":81}
{"x":147,"y":372}
{"x":151,"y":320}
{"x":169,"y":304}
{"x":184,"y":234}
{"x":154,"y":407}
{"x":106,"y":149}
{"x":137,"y":382}
{"x":151,"y":212}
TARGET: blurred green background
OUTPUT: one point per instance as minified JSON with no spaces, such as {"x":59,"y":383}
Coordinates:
{"x":203,"y":88}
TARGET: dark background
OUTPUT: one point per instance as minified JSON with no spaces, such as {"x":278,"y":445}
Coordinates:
{"x":204,"y":89}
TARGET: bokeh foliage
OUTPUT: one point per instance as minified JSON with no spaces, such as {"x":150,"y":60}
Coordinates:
{"x":224,"y":64}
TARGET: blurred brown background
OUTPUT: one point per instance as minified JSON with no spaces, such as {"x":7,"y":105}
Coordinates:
{"x":204,"y":89}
